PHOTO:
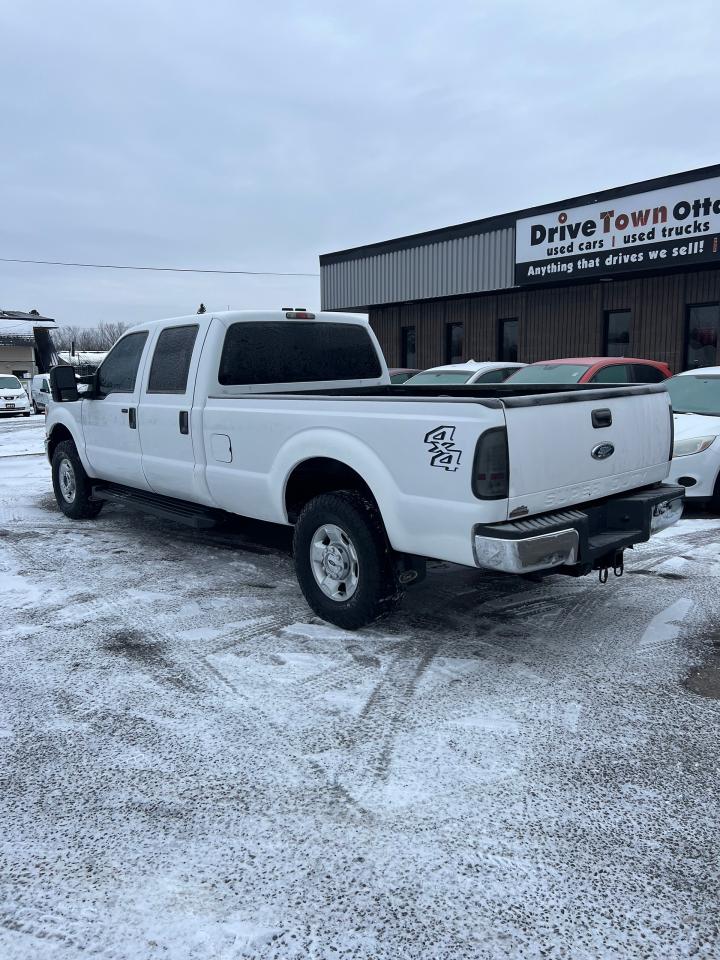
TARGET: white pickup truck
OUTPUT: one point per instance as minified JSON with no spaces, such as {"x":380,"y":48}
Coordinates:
{"x":289,"y":417}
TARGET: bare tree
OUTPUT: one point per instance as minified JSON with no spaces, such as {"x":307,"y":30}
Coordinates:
{"x":101,"y":337}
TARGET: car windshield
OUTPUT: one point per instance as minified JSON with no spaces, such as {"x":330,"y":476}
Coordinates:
{"x":9,"y":383}
{"x":440,"y":376}
{"x":695,"y":394}
{"x":549,"y":373}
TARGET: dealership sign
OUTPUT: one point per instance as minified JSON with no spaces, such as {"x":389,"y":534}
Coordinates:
{"x":661,"y":229}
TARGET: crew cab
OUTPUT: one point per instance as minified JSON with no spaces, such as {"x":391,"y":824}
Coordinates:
{"x":289,"y":417}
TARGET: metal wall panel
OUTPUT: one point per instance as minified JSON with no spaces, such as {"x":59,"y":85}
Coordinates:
{"x":473,"y":264}
{"x":562,"y":321}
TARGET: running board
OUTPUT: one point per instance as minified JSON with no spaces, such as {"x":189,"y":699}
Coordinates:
{"x":191,"y":514}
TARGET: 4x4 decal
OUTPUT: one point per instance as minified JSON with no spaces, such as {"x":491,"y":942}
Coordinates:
{"x":443,"y":452}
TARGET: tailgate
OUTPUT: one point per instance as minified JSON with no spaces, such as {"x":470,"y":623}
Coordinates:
{"x":569,"y":448}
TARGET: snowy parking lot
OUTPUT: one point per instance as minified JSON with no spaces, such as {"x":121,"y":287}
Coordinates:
{"x":193,"y":766}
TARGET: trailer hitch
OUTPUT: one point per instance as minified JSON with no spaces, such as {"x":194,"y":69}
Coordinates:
{"x":614,"y":560}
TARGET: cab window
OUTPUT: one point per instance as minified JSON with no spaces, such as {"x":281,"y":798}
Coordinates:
{"x":171,"y":360}
{"x":118,"y":371}
{"x":615,"y":373}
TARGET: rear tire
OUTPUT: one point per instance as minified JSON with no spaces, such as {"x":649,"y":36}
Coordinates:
{"x":715,"y":501}
{"x":343,"y":560}
{"x":71,"y":484}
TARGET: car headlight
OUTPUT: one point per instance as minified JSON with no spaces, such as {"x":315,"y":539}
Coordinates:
{"x":684,"y":448}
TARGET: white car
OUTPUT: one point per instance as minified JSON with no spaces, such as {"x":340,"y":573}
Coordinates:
{"x":13,"y":399}
{"x":40,"y":392}
{"x":474,"y":371}
{"x":290,"y":417}
{"x":695,"y":396}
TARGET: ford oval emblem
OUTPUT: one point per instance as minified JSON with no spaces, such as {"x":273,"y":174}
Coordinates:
{"x":602,"y":451}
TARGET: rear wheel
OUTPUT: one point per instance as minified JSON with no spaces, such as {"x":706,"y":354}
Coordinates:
{"x":71,"y":484}
{"x":343,"y":560}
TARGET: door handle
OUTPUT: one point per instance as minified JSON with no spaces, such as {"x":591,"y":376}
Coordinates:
{"x":184,"y":421}
{"x":132,"y":418}
{"x":601,"y":418}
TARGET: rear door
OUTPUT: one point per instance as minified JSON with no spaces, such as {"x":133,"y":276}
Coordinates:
{"x":165,"y":415}
{"x":579,"y":446}
{"x":112,"y":440}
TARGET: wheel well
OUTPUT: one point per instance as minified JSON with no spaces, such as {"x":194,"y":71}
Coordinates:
{"x":320,"y":475}
{"x":57,"y":435}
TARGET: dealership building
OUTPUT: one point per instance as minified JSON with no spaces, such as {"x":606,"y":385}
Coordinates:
{"x":633,"y":271}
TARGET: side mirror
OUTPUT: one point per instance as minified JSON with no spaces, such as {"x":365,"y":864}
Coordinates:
{"x":63,"y":385}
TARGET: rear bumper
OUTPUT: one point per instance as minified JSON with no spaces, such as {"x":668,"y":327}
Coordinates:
{"x":577,"y":541}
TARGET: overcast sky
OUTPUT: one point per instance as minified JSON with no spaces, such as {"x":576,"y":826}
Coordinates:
{"x":243,"y":135}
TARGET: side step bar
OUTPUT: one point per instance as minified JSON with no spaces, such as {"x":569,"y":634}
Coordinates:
{"x":191,"y":514}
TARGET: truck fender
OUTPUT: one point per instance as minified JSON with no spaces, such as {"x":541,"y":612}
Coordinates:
{"x":347,"y":450}
{"x":63,"y":420}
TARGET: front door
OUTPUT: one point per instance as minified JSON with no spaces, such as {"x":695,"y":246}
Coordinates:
{"x":110,"y":418}
{"x":166,"y":411}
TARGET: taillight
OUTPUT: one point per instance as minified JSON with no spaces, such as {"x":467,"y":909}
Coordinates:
{"x":299,"y":315}
{"x":491,"y":470}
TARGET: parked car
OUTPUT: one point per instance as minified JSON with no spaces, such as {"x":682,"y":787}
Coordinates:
{"x":290,"y":417}
{"x":594,"y":370}
{"x":40,"y":392}
{"x":695,"y":396}
{"x":474,"y":371}
{"x":401,"y":374}
{"x":13,"y":399}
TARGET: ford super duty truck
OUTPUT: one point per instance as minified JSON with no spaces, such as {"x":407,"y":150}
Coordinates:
{"x":290,"y":417}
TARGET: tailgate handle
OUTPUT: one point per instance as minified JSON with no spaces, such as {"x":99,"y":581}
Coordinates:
{"x":602,"y":418}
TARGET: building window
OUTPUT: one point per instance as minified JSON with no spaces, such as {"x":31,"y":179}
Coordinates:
{"x":703,"y":327}
{"x":508,"y":340}
{"x":408,"y":348}
{"x":454,"y":343}
{"x":617,"y":333}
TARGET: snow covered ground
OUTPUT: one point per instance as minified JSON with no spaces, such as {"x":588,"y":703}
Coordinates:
{"x":191,"y":766}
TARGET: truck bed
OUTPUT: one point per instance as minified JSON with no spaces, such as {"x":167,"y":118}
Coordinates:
{"x":491,"y":395}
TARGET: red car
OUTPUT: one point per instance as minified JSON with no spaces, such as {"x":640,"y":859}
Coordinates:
{"x":592,"y":370}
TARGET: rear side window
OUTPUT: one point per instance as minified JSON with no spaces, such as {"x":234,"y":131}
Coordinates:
{"x":644,"y":373}
{"x":296,"y":352}
{"x":493,"y":376}
{"x":171,"y":360}
{"x":615,"y":373}
{"x":118,"y":371}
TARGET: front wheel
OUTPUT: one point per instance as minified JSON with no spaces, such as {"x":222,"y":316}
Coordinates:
{"x":343,"y":560}
{"x":71,"y":484}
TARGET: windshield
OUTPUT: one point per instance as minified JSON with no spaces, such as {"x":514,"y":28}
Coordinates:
{"x":690,"y":394}
{"x":440,"y":376}
{"x":550,"y":373}
{"x":9,"y":383}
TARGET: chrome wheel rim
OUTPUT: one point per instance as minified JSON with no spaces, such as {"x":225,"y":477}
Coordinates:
{"x":66,"y":479}
{"x":334,"y":562}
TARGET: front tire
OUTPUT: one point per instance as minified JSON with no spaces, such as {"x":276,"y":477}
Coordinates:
{"x":71,"y":484}
{"x":715,"y":501}
{"x":343,"y":560}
